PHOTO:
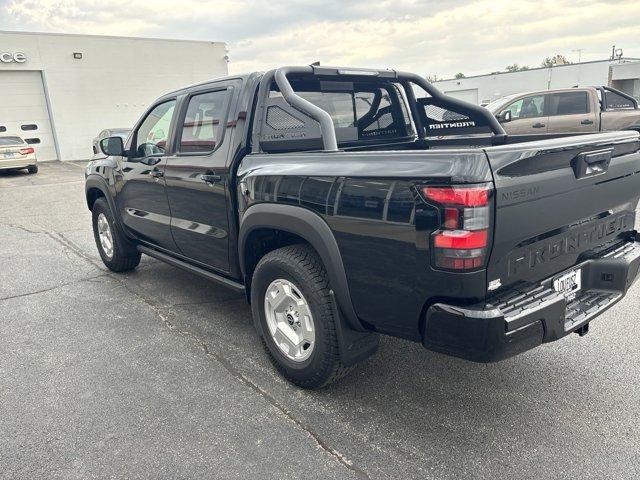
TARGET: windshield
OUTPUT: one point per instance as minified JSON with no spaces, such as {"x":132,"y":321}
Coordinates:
{"x":4,"y":141}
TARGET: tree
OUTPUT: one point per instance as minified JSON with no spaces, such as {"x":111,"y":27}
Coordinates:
{"x":561,"y":60}
{"x":553,"y":61}
{"x":432,"y":78}
{"x":547,"y":63}
{"x":459,"y":75}
{"x":516,"y":68}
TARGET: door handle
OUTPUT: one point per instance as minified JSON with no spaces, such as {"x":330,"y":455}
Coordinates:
{"x":586,"y":122}
{"x":210,"y":178}
{"x":538,"y":125}
{"x":155,"y":173}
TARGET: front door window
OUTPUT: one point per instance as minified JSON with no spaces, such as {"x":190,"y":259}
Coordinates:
{"x":527,"y":107}
{"x":151,"y":138}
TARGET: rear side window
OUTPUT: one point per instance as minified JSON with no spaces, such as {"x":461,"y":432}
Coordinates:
{"x":201,"y":129}
{"x":569,"y":103}
{"x":617,"y":102}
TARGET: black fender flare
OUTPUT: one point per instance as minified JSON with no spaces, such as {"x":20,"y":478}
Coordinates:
{"x":311,"y":227}
{"x":94,"y":181}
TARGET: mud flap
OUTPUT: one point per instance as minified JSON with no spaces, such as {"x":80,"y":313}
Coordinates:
{"x":354,"y":346}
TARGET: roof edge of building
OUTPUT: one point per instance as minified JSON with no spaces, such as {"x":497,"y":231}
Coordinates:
{"x":616,"y":61}
{"x":122,"y":37}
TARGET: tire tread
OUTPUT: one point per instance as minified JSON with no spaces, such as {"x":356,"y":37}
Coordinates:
{"x":125,"y":254}
{"x":305,"y":261}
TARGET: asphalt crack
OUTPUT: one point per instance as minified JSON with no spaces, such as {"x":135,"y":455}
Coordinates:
{"x":24,"y":229}
{"x":216,"y":355}
{"x":65,"y":242}
{"x":240,"y":377}
{"x":55,"y":287}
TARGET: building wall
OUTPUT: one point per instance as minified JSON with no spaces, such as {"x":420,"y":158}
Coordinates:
{"x":626,"y":77}
{"x":494,"y":86}
{"x":113,"y":82}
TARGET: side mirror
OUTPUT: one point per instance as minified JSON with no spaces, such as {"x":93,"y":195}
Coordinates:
{"x":112,"y":146}
{"x":504,"y":117}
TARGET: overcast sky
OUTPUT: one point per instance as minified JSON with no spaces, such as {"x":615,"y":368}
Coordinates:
{"x":425,"y":36}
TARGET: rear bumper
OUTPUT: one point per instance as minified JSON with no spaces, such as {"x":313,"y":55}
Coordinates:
{"x":17,"y":162}
{"x":523,"y":319}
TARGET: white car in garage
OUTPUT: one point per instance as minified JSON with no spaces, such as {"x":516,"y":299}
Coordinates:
{"x":16,"y":154}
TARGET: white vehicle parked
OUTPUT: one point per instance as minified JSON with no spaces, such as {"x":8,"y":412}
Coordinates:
{"x":16,"y":154}
{"x":109,"y":132}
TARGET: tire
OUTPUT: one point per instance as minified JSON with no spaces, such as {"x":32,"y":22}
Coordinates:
{"x":32,"y":169}
{"x":302,"y":269}
{"x":123,"y":255}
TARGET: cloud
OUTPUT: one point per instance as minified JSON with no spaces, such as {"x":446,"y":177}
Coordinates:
{"x":426,"y":36}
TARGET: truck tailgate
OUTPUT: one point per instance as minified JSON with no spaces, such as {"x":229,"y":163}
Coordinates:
{"x":558,"y":202}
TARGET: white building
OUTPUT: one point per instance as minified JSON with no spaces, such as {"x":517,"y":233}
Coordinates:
{"x":623,"y":74}
{"x":59,"y":91}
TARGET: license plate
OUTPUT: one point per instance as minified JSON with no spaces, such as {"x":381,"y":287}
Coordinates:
{"x":8,"y":154}
{"x":568,"y":284}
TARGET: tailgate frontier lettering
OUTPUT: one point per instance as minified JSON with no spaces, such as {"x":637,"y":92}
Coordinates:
{"x":576,"y":241}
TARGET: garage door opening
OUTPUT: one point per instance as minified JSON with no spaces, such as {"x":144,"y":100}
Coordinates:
{"x":24,"y":112}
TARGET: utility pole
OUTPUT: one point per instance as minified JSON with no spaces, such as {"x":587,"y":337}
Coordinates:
{"x":579,"y":50}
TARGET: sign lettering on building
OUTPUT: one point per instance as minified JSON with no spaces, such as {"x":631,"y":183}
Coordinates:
{"x":12,"y":57}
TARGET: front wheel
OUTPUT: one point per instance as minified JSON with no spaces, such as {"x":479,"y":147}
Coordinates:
{"x":118,"y":253}
{"x":294,"y":317}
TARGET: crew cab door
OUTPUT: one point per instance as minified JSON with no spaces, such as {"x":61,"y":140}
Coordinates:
{"x":197,"y":175}
{"x":572,"y":112}
{"x":142,"y":200}
{"x":528,"y":115}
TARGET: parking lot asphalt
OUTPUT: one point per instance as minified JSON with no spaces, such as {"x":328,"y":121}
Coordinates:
{"x":159,"y":374}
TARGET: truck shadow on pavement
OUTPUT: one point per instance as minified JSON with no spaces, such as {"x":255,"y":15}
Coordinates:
{"x":404,"y":397}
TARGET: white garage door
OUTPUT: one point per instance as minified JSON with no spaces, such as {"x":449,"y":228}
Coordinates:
{"x":470,"y":95}
{"x":23,"y":111}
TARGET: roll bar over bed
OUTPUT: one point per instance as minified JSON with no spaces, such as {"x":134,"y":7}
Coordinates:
{"x":329,"y":140}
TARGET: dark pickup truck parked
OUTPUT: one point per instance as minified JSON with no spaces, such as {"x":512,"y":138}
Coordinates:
{"x":321,"y":194}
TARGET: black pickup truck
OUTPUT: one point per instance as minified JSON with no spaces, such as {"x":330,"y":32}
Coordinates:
{"x":347,"y":203}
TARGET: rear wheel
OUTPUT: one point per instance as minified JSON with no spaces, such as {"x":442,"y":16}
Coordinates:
{"x":118,"y":253}
{"x":293,"y":313}
{"x":32,"y":169}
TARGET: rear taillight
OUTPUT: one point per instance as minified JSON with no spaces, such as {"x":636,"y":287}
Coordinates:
{"x":27,"y":151}
{"x":461,"y":242}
